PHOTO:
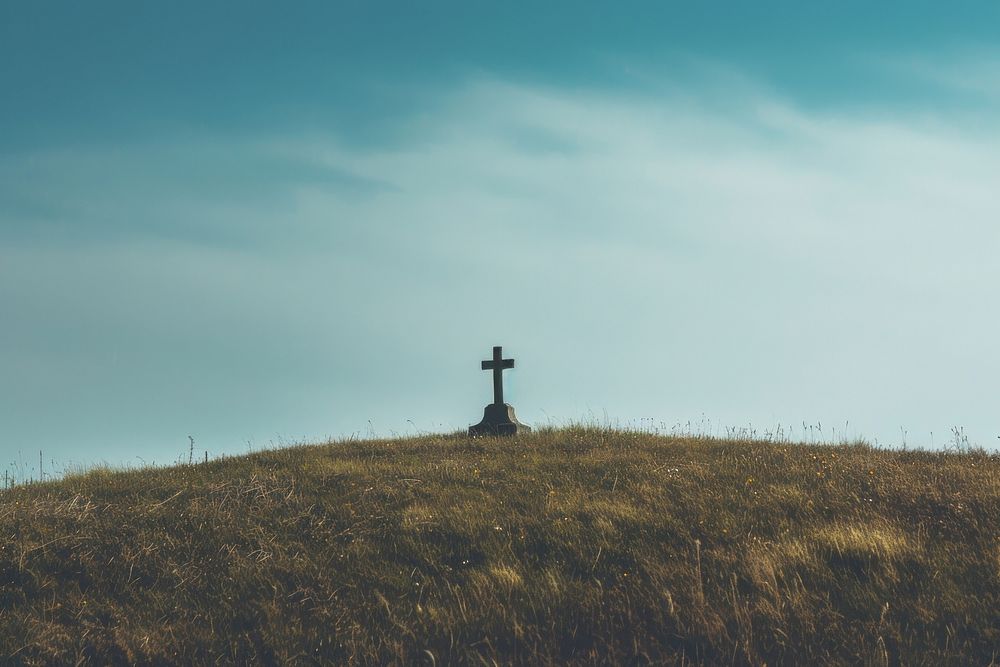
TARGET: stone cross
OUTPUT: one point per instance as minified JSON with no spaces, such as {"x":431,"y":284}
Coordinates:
{"x":497,"y":365}
{"x":498,"y":417}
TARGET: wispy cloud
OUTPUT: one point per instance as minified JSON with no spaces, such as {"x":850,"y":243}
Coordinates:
{"x":971,"y":74}
{"x":745,"y":257}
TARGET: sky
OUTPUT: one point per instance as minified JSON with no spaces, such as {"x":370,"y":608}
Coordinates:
{"x":258,"y":224}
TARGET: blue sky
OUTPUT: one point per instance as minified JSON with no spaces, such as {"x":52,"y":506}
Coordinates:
{"x":258,"y":224}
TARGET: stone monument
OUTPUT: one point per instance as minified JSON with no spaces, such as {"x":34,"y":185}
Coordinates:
{"x":498,"y":418}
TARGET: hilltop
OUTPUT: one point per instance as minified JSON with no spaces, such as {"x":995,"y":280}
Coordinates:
{"x":578,"y":545}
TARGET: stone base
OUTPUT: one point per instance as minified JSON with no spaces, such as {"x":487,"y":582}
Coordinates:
{"x":499,"y":420}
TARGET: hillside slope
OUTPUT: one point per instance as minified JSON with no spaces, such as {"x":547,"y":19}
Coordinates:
{"x":567,"y":546}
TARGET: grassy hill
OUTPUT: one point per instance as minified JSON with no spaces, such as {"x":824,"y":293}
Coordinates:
{"x":567,"y":546}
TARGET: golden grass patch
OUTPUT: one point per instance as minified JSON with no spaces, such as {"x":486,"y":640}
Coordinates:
{"x":881,"y":541}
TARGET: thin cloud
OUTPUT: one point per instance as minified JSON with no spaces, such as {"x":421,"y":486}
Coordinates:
{"x":749,"y":258}
{"x":970,"y":76}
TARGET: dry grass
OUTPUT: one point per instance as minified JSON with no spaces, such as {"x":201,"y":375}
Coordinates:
{"x":577,"y":546}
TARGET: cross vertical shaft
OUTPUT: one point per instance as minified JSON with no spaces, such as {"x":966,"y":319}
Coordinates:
{"x":497,"y":376}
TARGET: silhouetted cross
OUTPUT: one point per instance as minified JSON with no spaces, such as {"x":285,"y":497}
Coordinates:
{"x":497,"y":365}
